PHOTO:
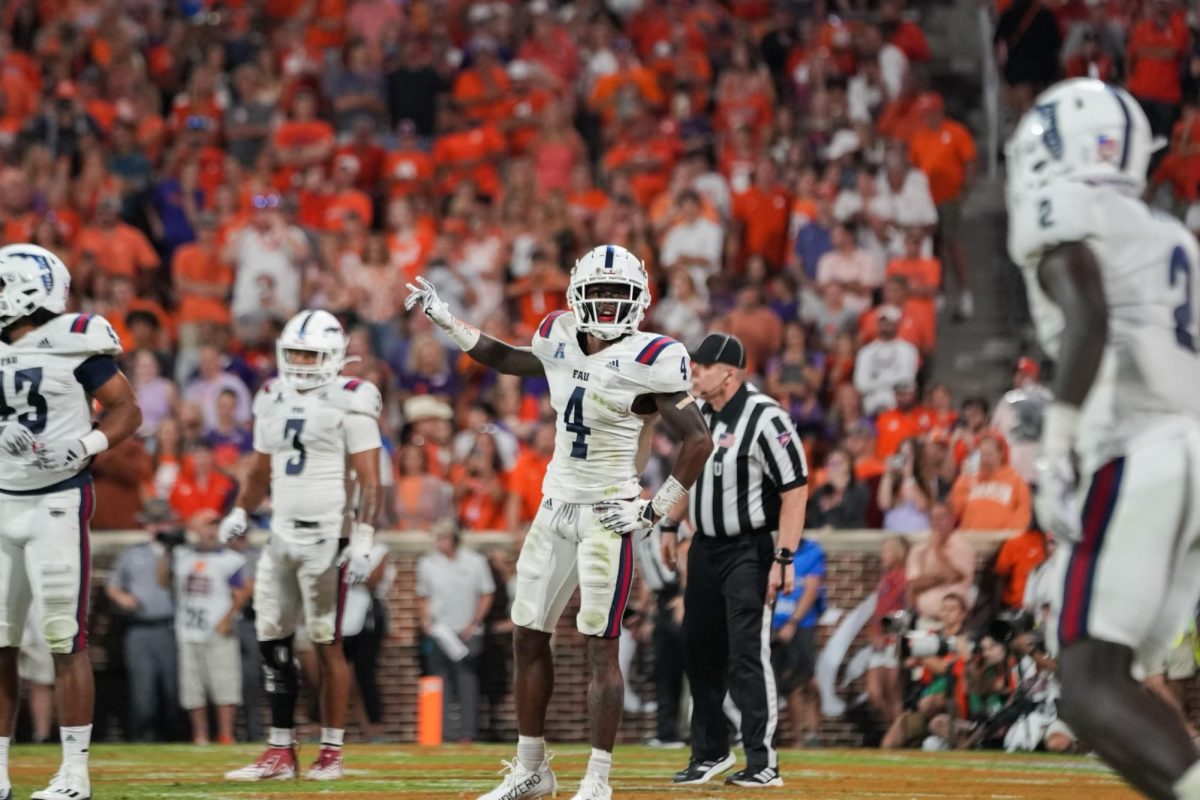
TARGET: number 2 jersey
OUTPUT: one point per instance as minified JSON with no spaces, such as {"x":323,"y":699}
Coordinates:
{"x":46,"y":381}
{"x":598,"y":433}
{"x":308,"y":436}
{"x":1148,"y":263}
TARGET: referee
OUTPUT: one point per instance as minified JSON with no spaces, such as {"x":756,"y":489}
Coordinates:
{"x":753,"y":485}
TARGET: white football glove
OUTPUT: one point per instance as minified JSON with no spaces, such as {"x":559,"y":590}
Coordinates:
{"x":60,"y":455}
{"x":356,"y":555}
{"x":1054,"y":500}
{"x":15,"y":438}
{"x":434,"y":307}
{"x":626,"y":516}
{"x":234,"y":525}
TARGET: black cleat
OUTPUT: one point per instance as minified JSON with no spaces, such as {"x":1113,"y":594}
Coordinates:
{"x":764,"y":776}
{"x":704,"y":771}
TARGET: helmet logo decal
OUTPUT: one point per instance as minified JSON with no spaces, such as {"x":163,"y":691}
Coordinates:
{"x":1050,"y":135}
{"x":46,"y":274}
{"x":608,"y":258}
{"x":1128,"y":127}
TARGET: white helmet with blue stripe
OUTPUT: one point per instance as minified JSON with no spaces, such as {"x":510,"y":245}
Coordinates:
{"x":311,"y":351}
{"x":31,"y":278}
{"x":609,"y":292}
{"x":1081,"y":129}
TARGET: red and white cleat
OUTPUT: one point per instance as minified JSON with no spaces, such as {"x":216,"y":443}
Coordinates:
{"x":277,"y":764}
{"x":328,"y":766}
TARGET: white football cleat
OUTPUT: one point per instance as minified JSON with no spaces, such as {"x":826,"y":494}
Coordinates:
{"x":328,"y":766}
{"x":66,"y":785}
{"x":522,"y":784}
{"x":276,"y":764}
{"x":593,"y":788}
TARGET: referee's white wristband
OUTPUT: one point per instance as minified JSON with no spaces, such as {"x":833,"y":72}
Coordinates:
{"x":670,"y":493}
{"x":94,"y":441}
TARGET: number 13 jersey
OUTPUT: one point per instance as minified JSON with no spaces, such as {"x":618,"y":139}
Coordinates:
{"x":598,"y":433}
{"x":308,"y":436}
{"x":46,"y":381}
{"x":1148,"y":264}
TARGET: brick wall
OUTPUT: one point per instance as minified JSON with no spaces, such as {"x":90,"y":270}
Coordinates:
{"x":853,"y":570}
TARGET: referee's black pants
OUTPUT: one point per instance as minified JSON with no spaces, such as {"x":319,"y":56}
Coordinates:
{"x":726,"y":645}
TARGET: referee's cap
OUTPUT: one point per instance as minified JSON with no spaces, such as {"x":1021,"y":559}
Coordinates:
{"x":720,"y":348}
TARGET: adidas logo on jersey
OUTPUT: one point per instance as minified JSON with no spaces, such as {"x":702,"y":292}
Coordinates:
{"x":614,"y":365}
{"x":44,"y":343}
{"x":547,"y":504}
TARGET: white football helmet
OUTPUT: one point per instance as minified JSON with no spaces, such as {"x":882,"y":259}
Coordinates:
{"x":31,"y":277}
{"x":316,"y":332}
{"x":609,"y":265}
{"x":1081,"y":129}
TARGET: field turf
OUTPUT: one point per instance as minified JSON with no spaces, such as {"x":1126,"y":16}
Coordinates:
{"x":175,"y":772}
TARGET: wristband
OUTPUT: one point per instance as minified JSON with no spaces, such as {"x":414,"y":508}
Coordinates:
{"x":464,"y":335}
{"x":670,"y":493}
{"x":669,"y":525}
{"x":784,"y":556}
{"x":94,"y":441}
{"x":1058,"y":427}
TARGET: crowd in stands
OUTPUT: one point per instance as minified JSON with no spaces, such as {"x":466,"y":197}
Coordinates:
{"x":785,"y":170}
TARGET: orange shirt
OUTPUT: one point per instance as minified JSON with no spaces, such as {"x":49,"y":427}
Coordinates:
{"x":526,"y":482}
{"x":470,"y":89}
{"x":328,"y":28}
{"x":647,"y":183}
{"x":894,"y":426}
{"x":1018,"y":557}
{"x":303,"y":134}
{"x":1154,"y":74}
{"x":117,"y":320}
{"x":764,"y":216}
{"x":123,"y":250}
{"x":410,"y":252}
{"x":22,"y":102}
{"x":604,"y":93}
{"x":349,"y":201}
{"x":753,"y":111}
{"x":190,"y":496}
{"x":917,"y":326}
{"x":943,"y":155}
{"x":899,"y":120}
{"x":463,"y":155}
{"x":535,"y":302}
{"x":192,"y":262}
{"x":19,"y":228}
{"x":407,"y":172}
{"x":995,"y":502}
{"x":525,"y":113}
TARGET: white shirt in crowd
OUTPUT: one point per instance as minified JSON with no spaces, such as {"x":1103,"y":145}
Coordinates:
{"x":911,"y":206}
{"x":701,"y":238}
{"x":204,"y":584}
{"x":453,"y":586}
{"x":881,"y":365}
{"x":267,"y":278}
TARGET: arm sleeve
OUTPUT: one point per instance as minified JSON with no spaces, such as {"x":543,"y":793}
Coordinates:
{"x":238,"y":579}
{"x":780,"y":453}
{"x":362,"y":433}
{"x":95,"y":372}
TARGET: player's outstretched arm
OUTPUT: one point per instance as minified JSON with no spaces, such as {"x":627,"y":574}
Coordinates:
{"x":487,"y":350}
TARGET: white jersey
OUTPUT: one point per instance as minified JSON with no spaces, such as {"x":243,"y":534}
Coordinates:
{"x":308,"y":436}
{"x":598,"y":434}
{"x":204,"y":585}
{"x":46,"y":380}
{"x":1148,"y":262}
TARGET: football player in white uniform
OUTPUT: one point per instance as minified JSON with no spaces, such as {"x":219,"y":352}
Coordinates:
{"x":1113,"y":288}
{"x":310,"y":424}
{"x":52,"y":366}
{"x":606,"y":379}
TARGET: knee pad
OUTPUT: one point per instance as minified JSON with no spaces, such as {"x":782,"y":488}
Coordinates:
{"x":280,"y":675}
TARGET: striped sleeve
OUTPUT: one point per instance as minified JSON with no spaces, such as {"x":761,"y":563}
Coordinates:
{"x":778,"y":447}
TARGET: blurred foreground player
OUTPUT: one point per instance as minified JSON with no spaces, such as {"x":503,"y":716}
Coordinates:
{"x":310,"y":425}
{"x":1114,"y":294}
{"x":606,"y":379}
{"x":52,"y":365}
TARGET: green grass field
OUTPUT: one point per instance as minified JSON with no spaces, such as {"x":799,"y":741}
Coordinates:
{"x":175,"y":772}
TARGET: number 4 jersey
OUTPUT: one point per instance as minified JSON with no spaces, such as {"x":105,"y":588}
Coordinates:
{"x":308,"y":436}
{"x":1148,"y":262}
{"x":598,"y":436}
{"x":46,"y":380}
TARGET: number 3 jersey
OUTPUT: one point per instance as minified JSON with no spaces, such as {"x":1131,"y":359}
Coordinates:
{"x":1148,"y":263}
{"x":598,"y":433}
{"x":46,"y":380}
{"x":308,"y":436}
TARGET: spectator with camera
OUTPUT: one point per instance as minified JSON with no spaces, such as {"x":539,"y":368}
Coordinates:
{"x":903,"y":496}
{"x":883,"y":668}
{"x":210,"y":588}
{"x":149,"y":615}
{"x":939,"y":657}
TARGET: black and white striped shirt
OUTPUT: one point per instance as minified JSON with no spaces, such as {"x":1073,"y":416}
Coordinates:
{"x":757,"y":457}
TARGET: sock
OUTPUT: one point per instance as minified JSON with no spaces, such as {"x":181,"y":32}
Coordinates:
{"x":75,"y":743}
{"x":1188,"y":785}
{"x":4,"y":784}
{"x":281,"y":737}
{"x":531,"y":751}
{"x":600,"y":764}
{"x":332,"y":737}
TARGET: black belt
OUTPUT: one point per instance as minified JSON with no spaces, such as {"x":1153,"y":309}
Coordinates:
{"x":732,"y":539}
{"x":151,"y":623}
{"x":305,"y":524}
